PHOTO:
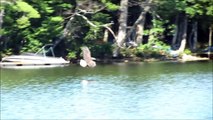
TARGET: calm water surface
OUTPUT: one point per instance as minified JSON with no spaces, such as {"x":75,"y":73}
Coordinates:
{"x":125,"y":91}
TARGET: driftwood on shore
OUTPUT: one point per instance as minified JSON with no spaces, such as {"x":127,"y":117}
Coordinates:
{"x":186,"y":57}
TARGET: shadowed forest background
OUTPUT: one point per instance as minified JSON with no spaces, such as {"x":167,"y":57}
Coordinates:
{"x":110,"y":28}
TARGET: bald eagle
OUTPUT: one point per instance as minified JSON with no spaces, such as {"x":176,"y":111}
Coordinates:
{"x":87,"y":59}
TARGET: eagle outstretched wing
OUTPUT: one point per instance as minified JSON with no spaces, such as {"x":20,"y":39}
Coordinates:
{"x":87,"y":57}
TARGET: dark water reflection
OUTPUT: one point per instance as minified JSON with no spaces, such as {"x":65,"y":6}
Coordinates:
{"x":125,"y":91}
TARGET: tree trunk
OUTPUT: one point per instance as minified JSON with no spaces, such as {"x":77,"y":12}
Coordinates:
{"x":210,"y":40}
{"x":175,"y":36}
{"x":193,"y":37}
{"x":122,"y":22}
{"x":194,"y":47}
{"x":183,"y":35}
{"x":121,"y":37}
{"x":65,"y":33}
{"x":1,"y":19}
{"x":140,"y":28}
{"x":190,"y":40}
{"x":180,"y":35}
{"x":141,"y":22}
{"x":106,"y":36}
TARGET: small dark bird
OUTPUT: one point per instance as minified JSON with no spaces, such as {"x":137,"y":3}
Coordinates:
{"x":87,"y":59}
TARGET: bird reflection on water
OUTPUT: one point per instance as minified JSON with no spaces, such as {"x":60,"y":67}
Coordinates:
{"x":87,"y":61}
{"x":86,"y":82}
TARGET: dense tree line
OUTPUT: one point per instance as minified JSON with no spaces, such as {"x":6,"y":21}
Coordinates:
{"x":110,"y":28}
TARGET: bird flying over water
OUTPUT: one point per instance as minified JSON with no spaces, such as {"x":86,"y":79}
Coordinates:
{"x":87,"y":59}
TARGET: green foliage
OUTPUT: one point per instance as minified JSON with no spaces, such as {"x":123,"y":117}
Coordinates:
{"x":131,"y":52}
{"x":71,"y":55}
{"x":51,"y":27}
{"x":153,"y":49}
{"x":31,"y":44}
{"x":6,"y":52}
{"x":65,"y":6}
{"x":31,"y":47}
{"x":191,"y":7}
{"x":101,"y":18}
{"x":111,"y":6}
{"x":171,"y":29}
{"x":146,"y":32}
{"x":166,"y":8}
{"x":96,"y":33}
{"x":157,"y":30}
{"x":33,"y":26}
{"x":56,"y":19}
{"x":194,"y":9}
{"x":101,"y":50}
{"x":209,"y":10}
{"x":29,"y":24}
{"x":28,"y":9}
{"x":93,"y":34}
{"x":180,"y":4}
{"x":187,"y":51}
{"x":49,"y":10}
{"x":23,"y":22}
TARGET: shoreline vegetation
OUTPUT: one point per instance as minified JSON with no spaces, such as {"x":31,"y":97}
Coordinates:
{"x":184,"y":58}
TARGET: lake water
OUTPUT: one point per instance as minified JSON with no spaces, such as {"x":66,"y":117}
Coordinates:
{"x":161,"y":90}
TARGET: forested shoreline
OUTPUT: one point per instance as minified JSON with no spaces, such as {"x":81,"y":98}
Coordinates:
{"x":134,"y":29}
